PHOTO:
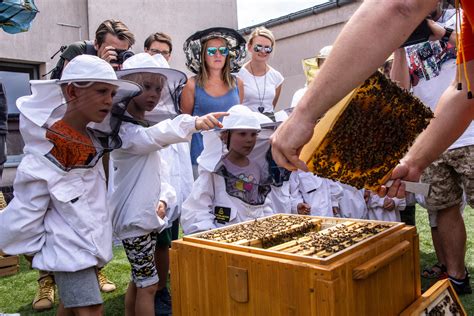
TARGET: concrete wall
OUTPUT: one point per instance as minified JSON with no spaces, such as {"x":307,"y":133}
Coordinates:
{"x":177,"y":18}
{"x":303,"y":38}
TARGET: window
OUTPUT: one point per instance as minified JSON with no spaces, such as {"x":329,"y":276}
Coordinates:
{"x":15,"y":79}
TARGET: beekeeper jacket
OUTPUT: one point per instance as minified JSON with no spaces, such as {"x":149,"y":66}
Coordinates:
{"x":352,"y":203}
{"x":210,"y":206}
{"x":61,"y":217}
{"x":137,"y":172}
{"x":181,"y":178}
{"x":377,"y":212}
{"x":319,"y":193}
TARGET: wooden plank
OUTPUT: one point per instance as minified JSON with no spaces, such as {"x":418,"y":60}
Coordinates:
{"x":9,"y":261}
{"x":175,"y":281}
{"x":365,"y":270}
{"x":9,"y":271}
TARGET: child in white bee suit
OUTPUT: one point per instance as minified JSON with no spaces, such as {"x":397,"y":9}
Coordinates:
{"x":352,"y":203}
{"x":313,"y":195}
{"x":138,"y":199}
{"x":178,"y":158}
{"x":310,"y":194}
{"x":60,"y":213}
{"x":233,"y":183}
{"x":384,"y":208}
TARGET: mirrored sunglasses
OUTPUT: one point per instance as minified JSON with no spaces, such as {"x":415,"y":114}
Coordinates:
{"x":211,"y":51}
{"x":259,"y":48}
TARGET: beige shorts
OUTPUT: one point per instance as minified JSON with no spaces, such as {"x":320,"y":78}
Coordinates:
{"x":450,"y":176}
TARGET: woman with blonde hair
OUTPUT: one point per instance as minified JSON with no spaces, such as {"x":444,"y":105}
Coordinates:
{"x":213,"y":55}
{"x":262,"y":83}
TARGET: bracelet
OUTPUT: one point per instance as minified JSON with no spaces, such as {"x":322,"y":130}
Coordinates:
{"x":447,"y":34}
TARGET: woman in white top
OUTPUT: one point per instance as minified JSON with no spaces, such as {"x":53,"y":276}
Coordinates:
{"x":262,"y":83}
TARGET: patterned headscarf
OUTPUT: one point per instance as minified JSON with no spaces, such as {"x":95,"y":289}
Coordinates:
{"x":235,"y":42}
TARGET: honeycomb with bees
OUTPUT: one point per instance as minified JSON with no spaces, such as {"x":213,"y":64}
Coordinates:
{"x":361,"y":139}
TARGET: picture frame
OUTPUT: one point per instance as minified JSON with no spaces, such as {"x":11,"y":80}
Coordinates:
{"x":439,"y":299}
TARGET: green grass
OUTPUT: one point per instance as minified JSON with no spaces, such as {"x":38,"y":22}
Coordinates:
{"x":427,"y":254}
{"x":17,"y":292}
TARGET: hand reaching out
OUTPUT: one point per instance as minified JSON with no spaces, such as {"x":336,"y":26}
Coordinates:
{"x":210,"y":121}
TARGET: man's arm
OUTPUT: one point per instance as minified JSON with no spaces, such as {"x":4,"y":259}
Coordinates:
{"x":374,"y":31}
{"x":400,"y":72}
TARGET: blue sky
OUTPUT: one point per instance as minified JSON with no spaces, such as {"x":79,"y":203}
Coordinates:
{"x":250,"y":12}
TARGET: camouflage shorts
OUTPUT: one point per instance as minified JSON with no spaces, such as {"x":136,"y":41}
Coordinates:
{"x":141,"y":255}
{"x":451,"y":175}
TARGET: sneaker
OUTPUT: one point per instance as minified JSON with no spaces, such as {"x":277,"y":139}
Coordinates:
{"x":105,"y":284}
{"x":44,"y":298}
{"x":164,"y":295}
{"x":461,"y":286}
{"x":163,"y":302}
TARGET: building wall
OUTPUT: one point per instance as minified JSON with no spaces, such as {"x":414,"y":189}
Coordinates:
{"x":303,"y":38}
{"x":177,"y":18}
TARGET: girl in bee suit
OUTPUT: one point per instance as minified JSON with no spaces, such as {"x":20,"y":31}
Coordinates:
{"x":235,"y":176}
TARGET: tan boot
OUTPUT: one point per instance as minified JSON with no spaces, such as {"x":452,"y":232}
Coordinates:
{"x":105,"y":285}
{"x":44,"y":298}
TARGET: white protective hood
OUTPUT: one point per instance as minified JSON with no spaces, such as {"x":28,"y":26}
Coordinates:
{"x":240,"y":117}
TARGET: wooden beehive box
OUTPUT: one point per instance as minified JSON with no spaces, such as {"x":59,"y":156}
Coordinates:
{"x":9,"y":265}
{"x":378,"y":275}
{"x":362,"y":138}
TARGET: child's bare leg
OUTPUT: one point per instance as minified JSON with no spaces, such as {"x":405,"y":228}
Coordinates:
{"x":130,"y":298}
{"x":61,"y":311}
{"x":145,"y":301}
{"x":94,"y":310}
{"x":162,"y":260}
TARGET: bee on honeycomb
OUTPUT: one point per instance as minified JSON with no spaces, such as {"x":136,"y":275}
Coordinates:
{"x":364,"y":136}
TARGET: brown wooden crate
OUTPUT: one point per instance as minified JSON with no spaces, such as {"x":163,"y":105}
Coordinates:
{"x":8,"y":261}
{"x":9,"y":271}
{"x":289,"y":285}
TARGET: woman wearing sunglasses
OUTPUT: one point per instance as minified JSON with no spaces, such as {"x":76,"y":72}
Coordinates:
{"x":262,"y":83}
{"x":212,"y":54}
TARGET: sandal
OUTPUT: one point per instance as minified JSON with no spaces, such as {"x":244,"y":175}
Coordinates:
{"x":434,"y":272}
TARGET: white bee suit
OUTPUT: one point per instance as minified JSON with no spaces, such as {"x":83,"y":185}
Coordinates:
{"x":59,"y":214}
{"x":352,"y":203}
{"x":138,"y":163}
{"x":377,"y":212}
{"x":319,"y":193}
{"x":210,"y":205}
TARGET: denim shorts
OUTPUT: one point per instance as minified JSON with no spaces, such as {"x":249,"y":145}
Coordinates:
{"x":78,"y":289}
